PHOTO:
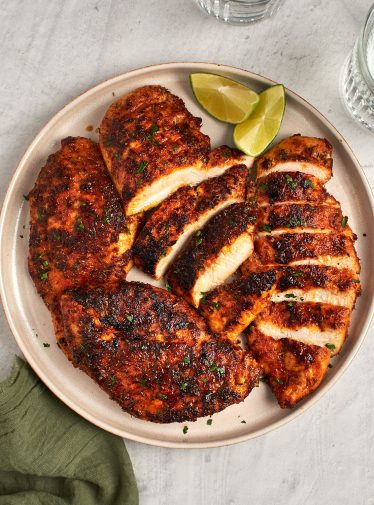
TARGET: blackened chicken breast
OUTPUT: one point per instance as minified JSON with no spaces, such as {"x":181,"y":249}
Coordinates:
{"x":152,"y":353}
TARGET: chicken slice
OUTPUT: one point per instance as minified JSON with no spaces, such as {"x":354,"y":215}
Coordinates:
{"x":182,"y":214}
{"x":292,"y":187}
{"x":331,"y":249}
{"x":301,"y":217}
{"x":151,"y":352}
{"x":79,"y":234}
{"x":317,"y":283}
{"x":230,"y":308}
{"x":293,"y":369}
{"x":311,"y":323}
{"x":152,"y":146}
{"x":308,"y":155}
{"x":214,"y":253}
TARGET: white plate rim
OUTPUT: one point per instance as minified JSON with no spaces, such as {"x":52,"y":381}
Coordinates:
{"x":322,"y":390}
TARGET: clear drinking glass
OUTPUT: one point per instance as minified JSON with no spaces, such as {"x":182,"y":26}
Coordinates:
{"x":239,"y":11}
{"x":357,"y":79}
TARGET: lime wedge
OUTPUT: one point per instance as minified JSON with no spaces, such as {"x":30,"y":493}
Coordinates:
{"x":223,"y":98}
{"x":255,"y":134}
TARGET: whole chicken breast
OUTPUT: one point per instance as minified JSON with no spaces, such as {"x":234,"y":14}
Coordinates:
{"x":79,"y":234}
{"x":151,"y":352}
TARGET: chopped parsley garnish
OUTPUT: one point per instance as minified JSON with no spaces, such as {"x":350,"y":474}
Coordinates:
{"x":290,"y":305}
{"x":45,"y":344}
{"x":216,"y":305}
{"x":293,"y":223}
{"x":105,"y":217}
{"x":264,"y":379}
{"x":56,"y":235}
{"x":330,"y":346}
{"x":344,"y":221}
{"x":290,"y":181}
{"x":266,"y":227}
{"x":127,"y":230}
{"x":142,"y":165}
{"x":199,"y":238}
{"x":118,"y":155}
{"x":167,"y":286}
{"x":162,"y":396}
{"x":226,"y":154}
{"x":290,"y":295}
{"x":154,"y":128}
{"x":40,"y":216}
{"x":297,"y":273}
{"x":175,"y":148}
{"x":186,"y":360}
{"x":214,"y":368}
{"x":357,"y":281}
{"x":263,"y":186}
{"x":209,"y":422}
{"x":79,"y":224}
{"x":143,"y":382}
{"x":308,"y":182}
{"x":112,"y":380}
{"x":185,"y":429}
{"x":44,"y":276}
{"x":184,"y":386}
{"x":278,"y":380}
{"x":130,"y":318}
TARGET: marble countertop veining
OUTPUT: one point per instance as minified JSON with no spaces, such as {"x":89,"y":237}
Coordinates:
{"x":50,"y":52}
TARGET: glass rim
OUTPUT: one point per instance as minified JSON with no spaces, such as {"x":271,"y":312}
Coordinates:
{"x":362,"y":42}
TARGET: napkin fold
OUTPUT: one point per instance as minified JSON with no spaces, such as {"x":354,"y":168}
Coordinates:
{"x":51,"y":456}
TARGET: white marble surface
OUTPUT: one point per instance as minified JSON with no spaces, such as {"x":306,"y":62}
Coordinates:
{"x":52,"y":50}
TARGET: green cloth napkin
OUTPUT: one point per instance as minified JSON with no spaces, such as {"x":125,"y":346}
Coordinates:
{"x":51,"y":456}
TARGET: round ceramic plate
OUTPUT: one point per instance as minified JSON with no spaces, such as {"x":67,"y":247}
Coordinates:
{"x":30,"y":321}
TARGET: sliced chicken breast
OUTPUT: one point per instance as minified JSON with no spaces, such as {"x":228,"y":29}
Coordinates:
{"x":152,"y":146}
{"x":317,"y":283}
{"x":301,"y":217}
{"x":230,"y":308}
{"x":331,"y":249}
{"x":292,"y":187}
{"x":214,"y":253}
{"x":311,"y":323}
{"x":293,"y":369}
{"x":181,"y":215}
{"x":309,"y":155}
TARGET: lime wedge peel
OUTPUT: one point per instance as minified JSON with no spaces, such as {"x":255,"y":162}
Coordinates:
{"x":255,"y":134}
{"x":223,"y":98}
